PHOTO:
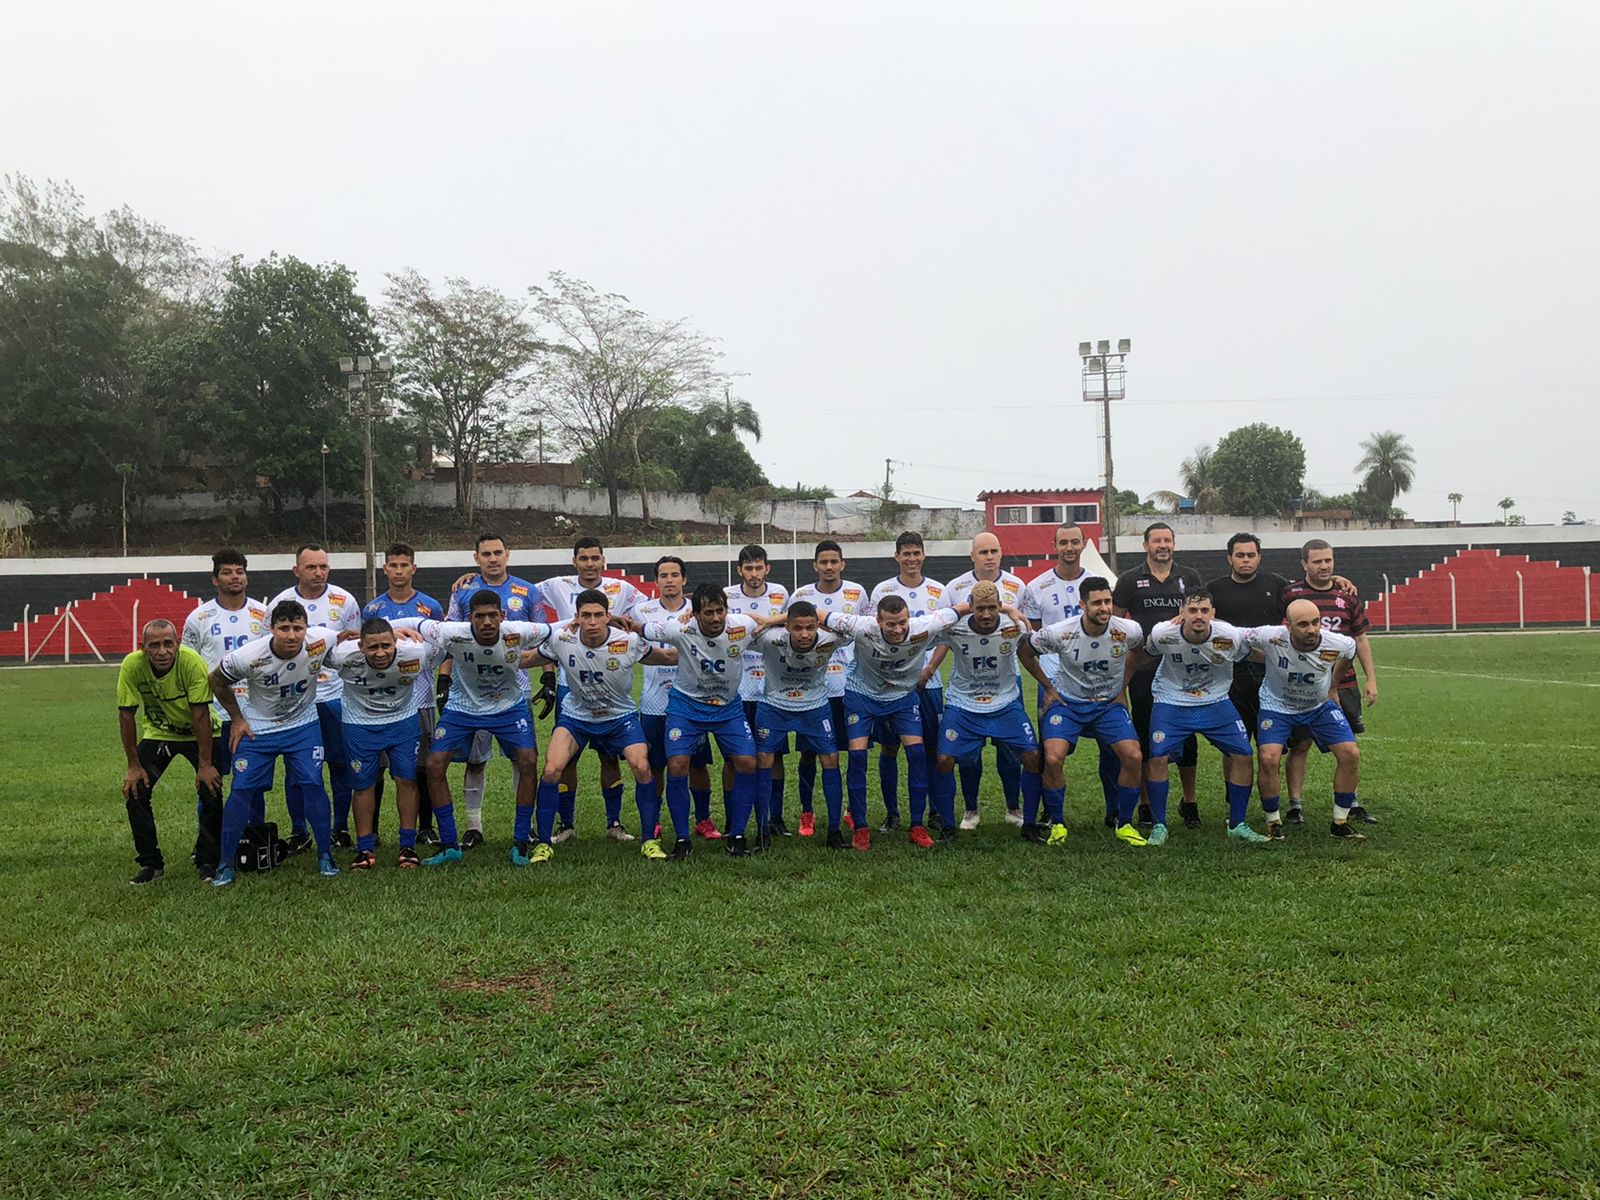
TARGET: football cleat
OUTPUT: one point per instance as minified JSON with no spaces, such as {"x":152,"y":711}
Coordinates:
{"x":808,"y":824}
{"x":861,"y":839}
{"x":472,"y":839}
{"x":326,"y":866}
{"x":708,"y":830}
{"x":1343,"y":831}
{"x":342,"y":839}
{"x":618,"y":832}
{"x":1014,"y":817}
{"x":448,"y":854}
{"x":542,"y":853}
{"x":1146,"y":815}
{"x":1296,"y":815}
{"x":920,"y":837}
{"x":682,"y":849}
{"x":836,"y":840}
{"x":146,"y":875}
{"x":948,"y":833}
{"x":1156,"y":837}
{"x":1190,"y":814}
{"x":776,"y":828}
{"x":736,"y":846}
{"x":1275,"y":831}
{"x":1058,"y":835}
{"x":652,"y":850}
{"x":564,"y":832}
{"x":849,"y":821}
{"x":1034,"y":832}
{"x":891,"y":823}
{"x":1244,"y":833}
{"x":1357,"y":813}
{"x":223,"y":877}
{"x":969,"y":819}
{"x":428,"y":837}
{"x":1129,"y":834}
{"x":299,"y":843}
{"x":519,"y":854}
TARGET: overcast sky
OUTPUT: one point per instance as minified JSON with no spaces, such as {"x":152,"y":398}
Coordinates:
{"x":901,"y":219}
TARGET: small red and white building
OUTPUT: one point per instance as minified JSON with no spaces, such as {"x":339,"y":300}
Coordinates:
{"x":1025,"y":519}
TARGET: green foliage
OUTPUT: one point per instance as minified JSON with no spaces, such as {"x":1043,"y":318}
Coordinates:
{"x":1387,"y":467}
{"x":1198,"y":479}
{"x":682,"y":452}
{"x":802,"y":493}
{"x":1258,"y":470}
{"x":1129,"y":503}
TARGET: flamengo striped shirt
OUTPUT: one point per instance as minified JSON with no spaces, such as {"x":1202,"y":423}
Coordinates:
{"x":1341,"y":613}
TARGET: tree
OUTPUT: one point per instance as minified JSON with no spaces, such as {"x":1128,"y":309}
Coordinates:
{"x":611,"y":372}
{"x":732,"y":417}
{"x":1505,"y":506}
{"x":1455,"y":506}
{"x":1257,"y":470}
{"x":1387,"y":466}
{"x":1194,"y":473}
{"x":277,"y":391}
{"x":465,"y":357}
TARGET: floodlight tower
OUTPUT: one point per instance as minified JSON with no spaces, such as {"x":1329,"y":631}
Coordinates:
{"x":1105,"y":380}
{"x":364,"y":377}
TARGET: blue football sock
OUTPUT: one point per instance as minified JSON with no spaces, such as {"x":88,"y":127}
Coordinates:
{"x":1271,"y":804}
{"x":294,"y":799}
{"x":856,"y":785}
{"x":1158,"y":799}
{"x":944,"y":797}
{"x":808,"y":780}
{"x":1110,"y":771}
{"x":889,"y":781}
{"x":1344,"y":801}
{"x":1055,"y":805}
{"x":702,"y":803}
{"x":522,"y":824}
{"x":678,"y":803}
{"x":612,"y":796}
{"x":547,"y":804}
{"x":408,"y":839}
{"x":761,"y":795}
{"x":339,"y":781}
{"x":833,"y":796}
{"x":568,"y":806}
{"x":258,"y":809}
{"x":1010,"y":771}
{"x":1127,"y":801}
{"x":235,"y":815}
{"x":317,"y":816}
{"x":971,"y":777}
{"x":744,"y":802}
{"x":366,"y":842}
{"x":444,"y":822}
{"x":775,"y":800}
{"x":648,"y":802}
{"x":1238,"y":803}
{"x":917,"y":783}
{"x":1030,"y":786}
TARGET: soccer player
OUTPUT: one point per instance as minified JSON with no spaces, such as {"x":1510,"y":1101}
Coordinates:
{"x":521,"y":601}
{"x":224,"y":623}
{"x":560,"y":595}
{"x":985,"y":567}
{"x":1150,"y":595}
{"x":1342,"y":612}
{"x":703,"y":703}
{"x":331,"y":607}
{"x":399,"y":601}
{"x":1050,"y":599}
{"x":1303,"y":661}
{"x":486,"y":693}
{"x":380,"y":704}
{"x":880,"y":698}
{"x":277,"y":718}
{"x":1091,"y":652}
{"x":168,"y":683}
{"x":797,"y":661}
{"x":984,"y":703}
{"x":754,"y":596}
{"x":921,"y":595}
{"x":598,"y":711}
{"x":1196,"y":655}
{"x":832,"y":592}
{"x":672,"y":604}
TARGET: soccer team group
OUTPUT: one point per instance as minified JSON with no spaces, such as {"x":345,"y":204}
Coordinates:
{"x":405,"y":686}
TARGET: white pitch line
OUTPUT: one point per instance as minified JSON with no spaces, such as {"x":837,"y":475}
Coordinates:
{"x":1496,"y":678}
{"x":1434,"y":741}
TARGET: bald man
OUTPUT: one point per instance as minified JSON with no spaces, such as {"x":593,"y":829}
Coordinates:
{"x":164,"y":712}
{"x":985,"y":568}
{"x":1303,"y":664}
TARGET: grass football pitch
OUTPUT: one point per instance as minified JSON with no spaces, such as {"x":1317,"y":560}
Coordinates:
{"x":1412,"y":1016}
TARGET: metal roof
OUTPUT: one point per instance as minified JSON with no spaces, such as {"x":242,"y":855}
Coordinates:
{"x":1038,"y":491}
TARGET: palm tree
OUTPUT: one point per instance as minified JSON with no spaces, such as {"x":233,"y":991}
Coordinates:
{"x":1388,"y":466}
{"x":1195,"y":475}
{"x":732,"y":417}
{"x":1455,"y":507}
{"x":1165,"y":500}
{"x":1506,"y":506}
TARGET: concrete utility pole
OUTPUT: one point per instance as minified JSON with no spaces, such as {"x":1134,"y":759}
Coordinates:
{"x":364,"y":375}
{"x":1105,"y":380}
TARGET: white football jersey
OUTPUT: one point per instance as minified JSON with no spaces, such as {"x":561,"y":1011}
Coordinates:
{"x":983,"y":670}
{"x":1089,"y":667}
{"x":1049,"y":600}
{"x":769,"y":603}
{"x":599,"y":678}
{"x":483,"y":679}
{"x":709,"y":669}
{"x":379,"y":697}
{"x":214,"y":632}
{"x":280,"y":693}
{"x":1194,"y":673}
{"x":1299,"y":681}
{"x":848,"y":598}
{"x":921,"y":599}
{"x":884,"y":671}
{"x":796,"y":680}
{"x":658,"y":680}
{"x":335,"y":609}
{"x":561,"y":594}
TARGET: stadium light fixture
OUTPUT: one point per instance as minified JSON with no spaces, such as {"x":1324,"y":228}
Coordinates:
{"x":1104,"y":347}
{"x":363,"y":363}
{"x":1124,"y":345}
{"x":347,"y":364}
{"x":1084,"y":349}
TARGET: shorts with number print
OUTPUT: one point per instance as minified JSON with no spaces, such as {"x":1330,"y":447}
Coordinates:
{"x":963,"y":732}
{"x":512,"y":727}
{"x":1218,"y":722}
{"x":812,"y":729}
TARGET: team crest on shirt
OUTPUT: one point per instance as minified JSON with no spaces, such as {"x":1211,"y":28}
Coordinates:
{"x":515,"y":604}
{"x":1117,"y":651}
{"x":1328,"y":655}
{"x":511,"y":656}
{"x":613,"y":663}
